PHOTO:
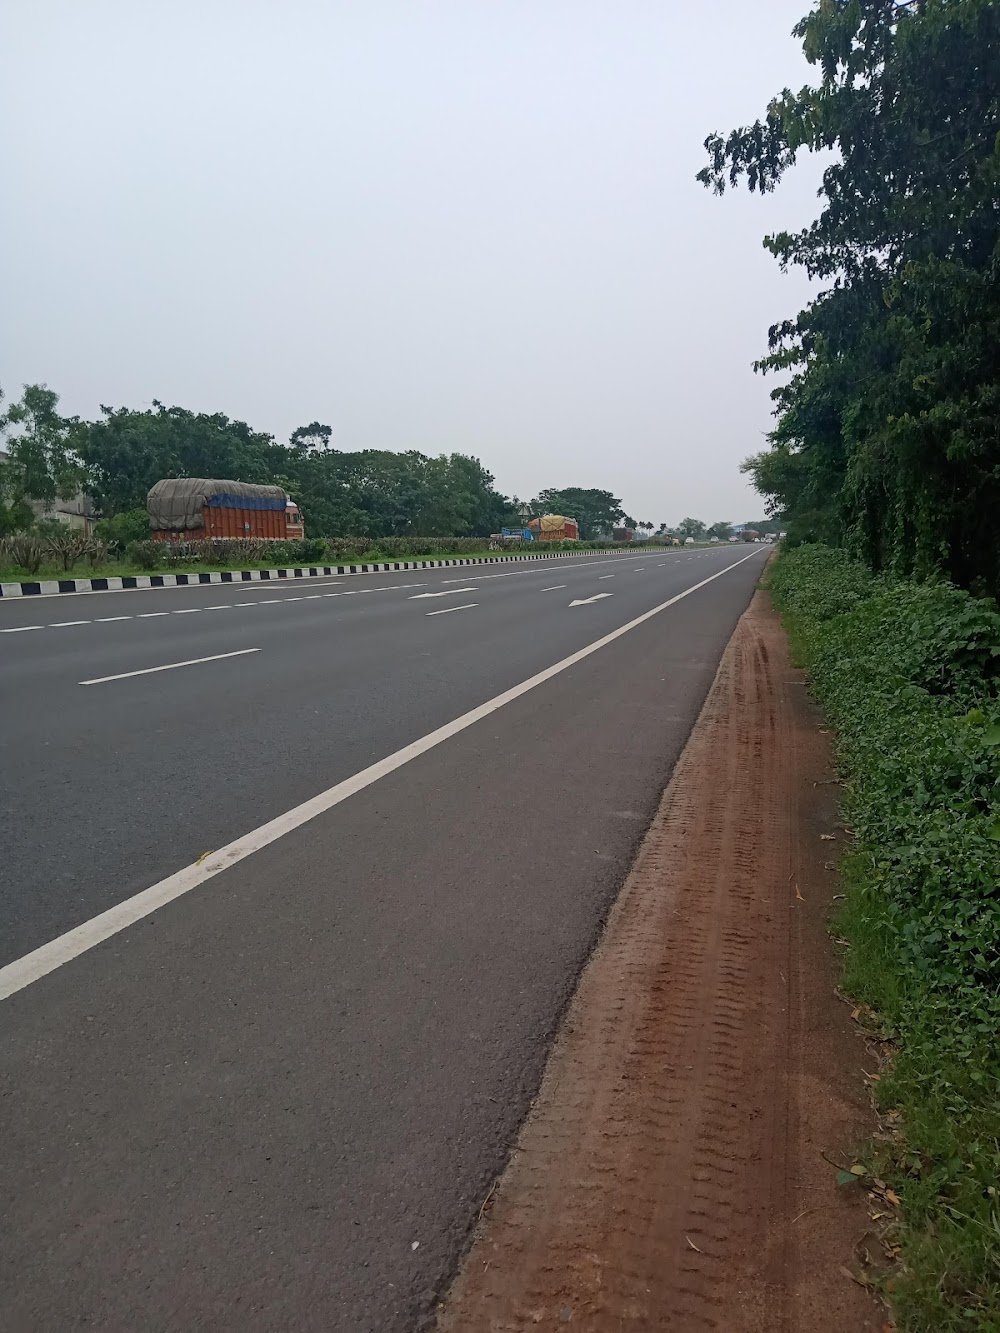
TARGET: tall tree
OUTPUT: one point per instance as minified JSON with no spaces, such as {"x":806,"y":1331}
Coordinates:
{"x":596,"y":512}
{"x":691,"y":527}
{"x":40,"y":464}
{"x":127,"y":451}
{"x":888,"y":430}
{"x":313,"y":436}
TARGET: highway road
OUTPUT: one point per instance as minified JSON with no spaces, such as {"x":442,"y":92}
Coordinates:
{"x":298,"y":879}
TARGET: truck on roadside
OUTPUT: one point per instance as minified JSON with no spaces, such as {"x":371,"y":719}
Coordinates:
{"x":555,"y":528}
{"x":198,"y":508}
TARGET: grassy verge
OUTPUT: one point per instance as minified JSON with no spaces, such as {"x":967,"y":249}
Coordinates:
{"x":117,"y":569}
{"x":908,"y":677}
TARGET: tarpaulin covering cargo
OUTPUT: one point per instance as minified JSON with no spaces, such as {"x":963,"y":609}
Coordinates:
{"x":177,"y":504}
{"x":554,"y":527}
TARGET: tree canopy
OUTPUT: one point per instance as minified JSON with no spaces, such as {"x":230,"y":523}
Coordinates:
{"x":595,"y":511}
{"x":39,"y":462}
{"x":888,"y":426}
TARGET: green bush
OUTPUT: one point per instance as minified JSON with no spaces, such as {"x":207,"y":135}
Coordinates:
{"x":146,"y":554}
{"x":121,"y":529}
{"x":907,"y":676}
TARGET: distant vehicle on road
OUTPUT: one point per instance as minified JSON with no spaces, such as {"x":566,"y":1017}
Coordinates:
{"x":197,"y":508}
{"x":623,"y":534}
{"x":555,"y":528}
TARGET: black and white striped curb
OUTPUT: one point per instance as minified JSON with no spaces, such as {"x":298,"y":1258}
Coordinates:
{"x":52,"y":587}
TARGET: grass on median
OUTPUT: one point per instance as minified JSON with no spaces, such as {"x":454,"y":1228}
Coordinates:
{"x":50,"y":572}
{"x":909,"y":677}
{"x":117,"y":569}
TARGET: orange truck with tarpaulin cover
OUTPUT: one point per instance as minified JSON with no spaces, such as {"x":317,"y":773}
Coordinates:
{"x":197,"y":508}
{"x":555,"y":528}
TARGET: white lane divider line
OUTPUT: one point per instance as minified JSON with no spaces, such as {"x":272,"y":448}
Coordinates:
{"x":61,"y":624}
{"x":106,"y":620}
{"x":447,"y":610}
{"x":46,"y":958}
{"x":604,"y":576}
{"x":639,"y":569}
{"x":20,"y":629}
{"x":451,"y":592}
{"x":267,"y":601}
{"x":555,"y":587}
{"x":151,"y":615}
{"x":188,"y":611}
{"x":168,"y":666}
{"x":226,"y":606}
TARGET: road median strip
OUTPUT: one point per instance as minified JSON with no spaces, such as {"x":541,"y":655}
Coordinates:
{"x":137,"y":582}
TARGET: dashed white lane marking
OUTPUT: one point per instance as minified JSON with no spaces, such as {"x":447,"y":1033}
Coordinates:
{"x":604,"y":576}
{"x":31,"y":967}
{"x":447,"y":610}
{"x":188,"y":611}
{"x":639,"y":569}
{"x":226,"y":606}
{"x":20,"y":629}
{"x":555,"y":588}
{"x":451,"y":592}
{"x":61,"y":624}
{"x":106,"y":620}
{"x":168,"y":666}
{"x":151,"y":615}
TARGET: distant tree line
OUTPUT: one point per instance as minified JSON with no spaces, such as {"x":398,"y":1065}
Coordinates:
{"x":888,"y":428}
{"x":370,"y":493}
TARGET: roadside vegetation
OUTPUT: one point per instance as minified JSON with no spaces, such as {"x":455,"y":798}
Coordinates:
{"x":908,"y":674}
{"x":886,"y":448}
{"x":36,"y":557}
{"x":367,"y":505}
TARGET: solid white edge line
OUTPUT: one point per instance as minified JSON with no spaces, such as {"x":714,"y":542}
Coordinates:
{"x":37,"y":964}
{"x":167,"y":666}
{"x":447,"y":610}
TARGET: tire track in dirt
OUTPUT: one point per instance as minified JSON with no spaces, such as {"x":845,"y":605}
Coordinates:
{"x":657,"y":1180}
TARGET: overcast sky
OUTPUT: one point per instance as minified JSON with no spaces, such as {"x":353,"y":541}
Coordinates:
{"x":434,"y":224}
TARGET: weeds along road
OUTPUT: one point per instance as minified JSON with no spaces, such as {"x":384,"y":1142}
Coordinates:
{"x":274,"y":1094}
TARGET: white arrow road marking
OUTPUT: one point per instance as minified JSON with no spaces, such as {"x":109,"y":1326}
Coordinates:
{"x":585,"y":601}
{"x":445,"y":609}
{"x":449,"y":592}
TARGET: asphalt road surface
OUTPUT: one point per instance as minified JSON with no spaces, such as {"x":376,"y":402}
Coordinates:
{"x":275,"y":1097}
